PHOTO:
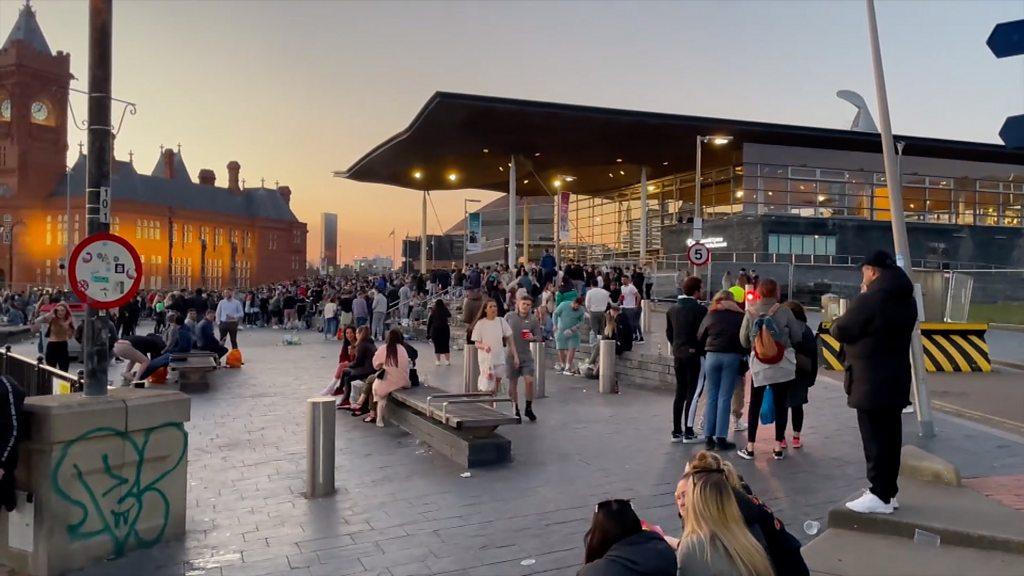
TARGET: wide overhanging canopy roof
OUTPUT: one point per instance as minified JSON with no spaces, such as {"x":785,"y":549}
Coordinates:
{"x":463,"y":141}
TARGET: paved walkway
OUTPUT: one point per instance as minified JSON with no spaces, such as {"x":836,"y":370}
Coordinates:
{"x":402,"y":510}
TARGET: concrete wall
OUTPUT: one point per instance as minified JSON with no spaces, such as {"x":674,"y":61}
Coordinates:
{"x":108,"y":475}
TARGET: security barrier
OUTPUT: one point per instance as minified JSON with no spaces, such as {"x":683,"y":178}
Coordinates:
{"x":948,"y":347}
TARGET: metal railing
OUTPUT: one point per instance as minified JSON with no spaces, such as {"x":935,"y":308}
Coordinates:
{"x":35,"y":377}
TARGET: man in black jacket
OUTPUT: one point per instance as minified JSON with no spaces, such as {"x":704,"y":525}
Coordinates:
{"x":682,"y":321}
{"x":875,"y":333}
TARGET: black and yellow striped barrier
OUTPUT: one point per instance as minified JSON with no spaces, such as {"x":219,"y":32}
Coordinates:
{"x":948,"y":347}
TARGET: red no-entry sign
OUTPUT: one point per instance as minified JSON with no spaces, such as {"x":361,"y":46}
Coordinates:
{"x":105,"y":271}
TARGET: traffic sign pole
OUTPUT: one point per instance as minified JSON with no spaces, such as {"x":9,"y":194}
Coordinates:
{"x":96,"y":331}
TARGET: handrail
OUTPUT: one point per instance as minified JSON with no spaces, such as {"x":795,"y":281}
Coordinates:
{"x":36,"y":377}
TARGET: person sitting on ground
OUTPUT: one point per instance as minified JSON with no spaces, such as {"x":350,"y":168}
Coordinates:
{"x":616,"y":327}
{"x":716,"y":541}
{"x":206,"y":340}
{"x":617,"y":544}
{"x":392,"y":364}
{"x":782,"y":548}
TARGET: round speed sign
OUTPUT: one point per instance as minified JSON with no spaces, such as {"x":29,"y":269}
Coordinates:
{"x":698,"y":254}
{"x":105,"y":271}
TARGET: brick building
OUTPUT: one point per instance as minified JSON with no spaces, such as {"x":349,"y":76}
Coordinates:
{"x":189,"y":232}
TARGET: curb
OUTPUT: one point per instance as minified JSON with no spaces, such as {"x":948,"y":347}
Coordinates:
{"x":1008,"y":364}
{"x":1008,"y":327}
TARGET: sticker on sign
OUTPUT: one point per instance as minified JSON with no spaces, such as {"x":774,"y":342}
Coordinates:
{"x":698,"y":254}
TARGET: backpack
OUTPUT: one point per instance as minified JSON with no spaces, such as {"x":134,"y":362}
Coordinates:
{"x":767,"y":347}
{"x":234,"y":358}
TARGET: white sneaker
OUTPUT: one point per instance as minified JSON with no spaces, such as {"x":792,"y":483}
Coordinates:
{"x":909,"y":409}
{"x":739,"y":424}
{"x":447,"y":362}
{"x":437,"y":362}
{"x":567,"y":373}
{"x":895,"y":504}
{"x":558,"y":367}
{"x":868,"y":503}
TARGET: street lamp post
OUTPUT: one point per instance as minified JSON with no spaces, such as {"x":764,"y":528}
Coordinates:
{"x":894,"y":181}
{"x":465,"y":226}
{"x":698,"y":221}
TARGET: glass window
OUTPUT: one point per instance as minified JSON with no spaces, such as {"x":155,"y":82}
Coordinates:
{"x":830,"y":246}
{"x":805,"y":173}
{"x":773,"y":243}
{"x":784,"y":244}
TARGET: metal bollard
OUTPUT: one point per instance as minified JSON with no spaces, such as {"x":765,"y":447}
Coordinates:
{"x":645,"y":316}
{"x":320,"y":426}
{"x":606,"y":368}
{"x":470,"y":369}
{"x":539,"y":368}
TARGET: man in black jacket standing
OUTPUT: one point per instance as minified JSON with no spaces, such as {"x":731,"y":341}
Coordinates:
{"x":682,"y":321}
{"x":875,"y":333}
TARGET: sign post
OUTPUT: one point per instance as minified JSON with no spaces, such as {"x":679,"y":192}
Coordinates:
{"x":95,"y":331}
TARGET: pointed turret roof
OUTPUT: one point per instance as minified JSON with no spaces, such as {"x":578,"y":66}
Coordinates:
{"x":27,"y":29}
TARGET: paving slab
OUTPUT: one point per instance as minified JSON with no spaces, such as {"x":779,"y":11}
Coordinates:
{"x":247,"y":465}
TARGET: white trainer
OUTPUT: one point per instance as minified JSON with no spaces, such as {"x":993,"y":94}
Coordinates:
{"x":868,"y":503}
{"x":739,"y":424}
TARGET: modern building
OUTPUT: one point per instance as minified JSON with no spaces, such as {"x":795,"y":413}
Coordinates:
{"x":189,"y":232}
{"x":373,"y":264}
{"x":328,"y":241}
{"x":795,"y":191}
{"x":535,"y":225}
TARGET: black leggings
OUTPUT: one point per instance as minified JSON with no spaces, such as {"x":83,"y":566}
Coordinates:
{"x":779,"y":395}
{"x":57,"y":355}
{"x":798,"y":418}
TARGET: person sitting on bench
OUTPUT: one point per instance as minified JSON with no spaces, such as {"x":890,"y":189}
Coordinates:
{"x":182,"y":345}
{"x":207,"y":340}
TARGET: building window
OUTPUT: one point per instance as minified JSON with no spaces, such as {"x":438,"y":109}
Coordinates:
{"x":272,"y":241}
{"x":248,"y":239}
{"x":218,"y":237}
{"x":115,"y":225}
{"x":810,"y":244}
{"x":187,"y":235}
{"x":296,"y":236}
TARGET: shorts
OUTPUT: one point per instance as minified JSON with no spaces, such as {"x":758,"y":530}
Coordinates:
{"x":526,"y":368}
{"x":563,"y":342}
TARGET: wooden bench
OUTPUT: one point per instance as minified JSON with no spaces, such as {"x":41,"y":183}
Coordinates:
{"x":193,"y":370}
{"x":460,"y":426}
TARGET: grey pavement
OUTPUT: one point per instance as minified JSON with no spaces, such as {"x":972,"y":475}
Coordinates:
{"x":402,"y":510}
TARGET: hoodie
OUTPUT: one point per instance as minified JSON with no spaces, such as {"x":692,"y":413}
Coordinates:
{"x":643,"y":554}
{"x":875,"y":333}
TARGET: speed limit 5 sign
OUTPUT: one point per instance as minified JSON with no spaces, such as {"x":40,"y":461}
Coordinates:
{"x":698,"y":254}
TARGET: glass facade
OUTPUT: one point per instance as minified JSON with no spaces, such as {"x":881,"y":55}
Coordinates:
{"x":608,"y":226}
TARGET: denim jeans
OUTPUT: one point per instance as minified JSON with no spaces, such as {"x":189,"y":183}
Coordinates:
{"x":378,"y":326}
{"x":330,"y":327}
{"x":720,"y":370}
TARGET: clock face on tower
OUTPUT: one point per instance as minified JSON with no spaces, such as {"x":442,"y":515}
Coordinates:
{"x":40,"y":112}
{"x":5,"y":109}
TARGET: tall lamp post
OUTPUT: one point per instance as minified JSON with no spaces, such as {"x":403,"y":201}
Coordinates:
{"x":698,"y":220}
{"x":465,"y":224}
{"x":894,"y":180}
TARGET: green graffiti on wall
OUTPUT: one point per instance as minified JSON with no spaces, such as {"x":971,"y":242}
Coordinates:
{"x":110,"y":501}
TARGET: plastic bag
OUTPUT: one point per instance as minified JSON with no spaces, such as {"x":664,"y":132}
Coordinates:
{"x":487,"y":379}
{"x":768,"y":407}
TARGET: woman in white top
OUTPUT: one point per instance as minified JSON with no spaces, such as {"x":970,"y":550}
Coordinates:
{"x":490,"y":335}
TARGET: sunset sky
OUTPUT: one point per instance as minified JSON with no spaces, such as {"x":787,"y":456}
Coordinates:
{"x":295,"y":89}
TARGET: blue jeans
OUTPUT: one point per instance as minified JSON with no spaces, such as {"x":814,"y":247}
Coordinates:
{"x":330,"y":327}
{"x":362,"y":321}
{"x":720,"y":372}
